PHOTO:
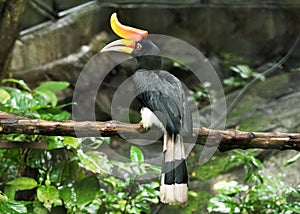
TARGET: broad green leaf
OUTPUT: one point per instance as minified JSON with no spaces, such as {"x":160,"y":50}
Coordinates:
{"x":19,"y":82}
{"x":222,"y":204}
{"x":86,"y":190}
{"x":228,"y":187}
{"x":52,"y":86}
{"x":10,"y":192}
{"x":64,"y":115}
{"x":68,"y":195}
{"x":13,"y":207}
{"x":56,"y":172}
{"x":149,"y":192}
{"x":4,"y":96}
{"x":113,"y":182}
{"x":55,"y":144}
{"x":94,"y":161}
{"x":23,"y":183}
{"x":136,"y":155}
{"x":53,"y":114}
{"x":48,"y":195}
{"x":39,"y":208}
{"x":72,"y":142}
{"x":48,"y":95}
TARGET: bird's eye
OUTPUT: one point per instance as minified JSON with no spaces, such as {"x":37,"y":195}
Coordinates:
{"x":138,"y":46}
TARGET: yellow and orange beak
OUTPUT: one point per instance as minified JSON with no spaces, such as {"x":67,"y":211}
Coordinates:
{"x":128,"y":34}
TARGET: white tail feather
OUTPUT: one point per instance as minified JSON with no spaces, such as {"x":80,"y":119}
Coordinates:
{"x":179,"y":148}
{"x":173,"y":194}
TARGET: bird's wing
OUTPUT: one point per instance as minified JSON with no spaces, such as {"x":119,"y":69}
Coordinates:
{"x":162,"y":93}
{"x":186,"y":120}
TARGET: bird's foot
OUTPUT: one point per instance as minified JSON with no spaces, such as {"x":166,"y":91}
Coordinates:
{"x":145,"y":126}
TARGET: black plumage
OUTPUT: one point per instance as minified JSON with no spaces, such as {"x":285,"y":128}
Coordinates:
{"x":160,"y":91}
{"x":164,"y":104}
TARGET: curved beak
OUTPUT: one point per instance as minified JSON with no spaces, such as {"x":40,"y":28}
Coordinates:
{"x":120,"y":45}
{"x":129,"y":36}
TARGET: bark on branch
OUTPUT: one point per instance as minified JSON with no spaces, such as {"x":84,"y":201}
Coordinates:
{"x":231,"y":139}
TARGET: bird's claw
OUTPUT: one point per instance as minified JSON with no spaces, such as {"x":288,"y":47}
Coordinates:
{"x":144,"y":126}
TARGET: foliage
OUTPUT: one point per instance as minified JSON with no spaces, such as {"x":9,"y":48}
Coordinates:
{"x":40,"y":103}
{"x":292,"y":160}
{"x":71,"y":175}
{"x":240,"y":70}
{"x":244,"y":73}
{"x":203,"y":95}
{"x":257,"y":194}
{"x":213,"y":168}
{"x":229,"y":59}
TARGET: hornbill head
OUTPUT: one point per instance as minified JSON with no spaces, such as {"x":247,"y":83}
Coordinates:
{"x":134,"y":42}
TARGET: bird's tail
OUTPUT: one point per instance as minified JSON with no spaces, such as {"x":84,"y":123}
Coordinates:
{"x":173,"y":188}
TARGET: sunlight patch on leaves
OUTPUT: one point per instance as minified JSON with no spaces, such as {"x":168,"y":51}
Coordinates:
{"x":94,"y":161}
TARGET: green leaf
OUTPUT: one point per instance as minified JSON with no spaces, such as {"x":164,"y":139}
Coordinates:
{"x":94,"y":161}
{"x":55,"y":142}
{"x":136,"y":155}
{"x":23,"y":183}
{"x":114,"y":182}
{"x":243,"y":70}
{"x":86,"y":190}
{"x":149,"y":190}
{"x":48,"y":195}
{"x":48,"y":95}
{"x":56,"y":172}
{"x":228,"y":187}
{"x":4,"y":96}
{"x":52,"y":86}
{"x":13,"y":207}
{"x":68,"y":195}
{"x":19,"y":82}
{"x":21,"y":101}
{"x":10,"y":192}
{"x":64,"y":115}
{"x":257,"y":162}
{"x":38,"y":208}
{"x":72,"y":142}
{"x":152,"y":169}
{"x":234,"y":81}
{"x":222,"y":204}
{"x":292,"y":160}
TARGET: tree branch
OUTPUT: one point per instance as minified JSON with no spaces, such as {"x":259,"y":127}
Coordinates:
{"x":231,"y":139}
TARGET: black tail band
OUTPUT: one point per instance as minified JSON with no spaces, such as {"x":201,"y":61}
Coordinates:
{"x":175,"y":172}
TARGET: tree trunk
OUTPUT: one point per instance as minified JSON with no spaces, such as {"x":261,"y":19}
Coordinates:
{"x":10,"y":25}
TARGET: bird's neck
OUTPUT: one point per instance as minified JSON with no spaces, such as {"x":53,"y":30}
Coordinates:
{"x":149,"y":62}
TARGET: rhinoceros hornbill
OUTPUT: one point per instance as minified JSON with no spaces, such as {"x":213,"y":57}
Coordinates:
{"x":164,"y":104}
